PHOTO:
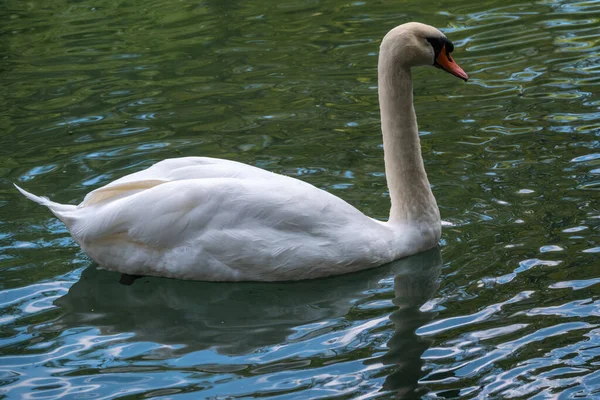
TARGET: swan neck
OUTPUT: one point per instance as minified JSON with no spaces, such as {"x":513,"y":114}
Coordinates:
{"x":410,"y":193}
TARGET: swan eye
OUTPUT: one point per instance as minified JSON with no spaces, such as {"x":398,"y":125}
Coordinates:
{"x":442,"y":48}
{"x":439,"y":43}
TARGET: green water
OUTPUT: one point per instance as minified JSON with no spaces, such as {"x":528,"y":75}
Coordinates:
{"x":508,"y":307}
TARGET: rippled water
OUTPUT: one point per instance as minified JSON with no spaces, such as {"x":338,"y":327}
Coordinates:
{"x":507,"y":307}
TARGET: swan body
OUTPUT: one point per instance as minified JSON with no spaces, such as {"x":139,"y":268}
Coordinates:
{"x":210,"y":219}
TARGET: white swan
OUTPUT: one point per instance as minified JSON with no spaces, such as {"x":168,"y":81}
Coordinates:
{"x":210,"y":219}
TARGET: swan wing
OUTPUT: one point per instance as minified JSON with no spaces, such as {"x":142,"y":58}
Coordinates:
{"x":227,"y":229}
{"x":176,"y":169}
{"x":168,"y":213}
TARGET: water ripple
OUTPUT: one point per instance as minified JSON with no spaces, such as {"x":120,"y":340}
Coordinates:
{"x":91,"y":93}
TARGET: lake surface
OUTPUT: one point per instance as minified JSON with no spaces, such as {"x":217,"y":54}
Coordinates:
{"x":507,"y":307}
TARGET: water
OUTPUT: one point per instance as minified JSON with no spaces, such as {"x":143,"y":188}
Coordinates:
{"x":507,"y":307}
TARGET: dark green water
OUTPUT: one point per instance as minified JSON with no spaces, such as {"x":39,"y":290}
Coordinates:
{"x":508,"y":307}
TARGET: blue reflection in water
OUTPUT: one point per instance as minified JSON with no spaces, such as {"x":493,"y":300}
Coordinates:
{"x":161,"y":333}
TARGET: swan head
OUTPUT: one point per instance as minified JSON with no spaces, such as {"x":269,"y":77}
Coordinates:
{"x":414,"y":44}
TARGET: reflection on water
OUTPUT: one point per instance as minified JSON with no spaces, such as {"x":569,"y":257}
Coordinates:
{"x":233,"y":318}
{"x":182,"y":327}
{"x":414,"y":284}
{"x":91,"y":92}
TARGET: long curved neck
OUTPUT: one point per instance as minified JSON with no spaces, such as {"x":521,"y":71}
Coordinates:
{"x":411,"y":196}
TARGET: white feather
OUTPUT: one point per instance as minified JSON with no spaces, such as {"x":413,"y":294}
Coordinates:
{"x":247,"y":224}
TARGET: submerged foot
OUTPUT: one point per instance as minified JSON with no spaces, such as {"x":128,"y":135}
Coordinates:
{"x":128,"y":280}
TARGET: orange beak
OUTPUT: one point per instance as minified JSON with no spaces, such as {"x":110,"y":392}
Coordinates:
{"x":445,"y":62}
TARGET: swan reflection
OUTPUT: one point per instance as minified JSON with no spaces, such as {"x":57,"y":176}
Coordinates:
{"x":414,"y":284}
{"x":239,"y":318}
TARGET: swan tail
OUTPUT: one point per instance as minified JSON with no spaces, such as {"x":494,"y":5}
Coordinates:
{"x":61,"y":211}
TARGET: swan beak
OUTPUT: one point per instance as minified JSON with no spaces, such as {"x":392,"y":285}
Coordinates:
{"x":445,"y":62}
